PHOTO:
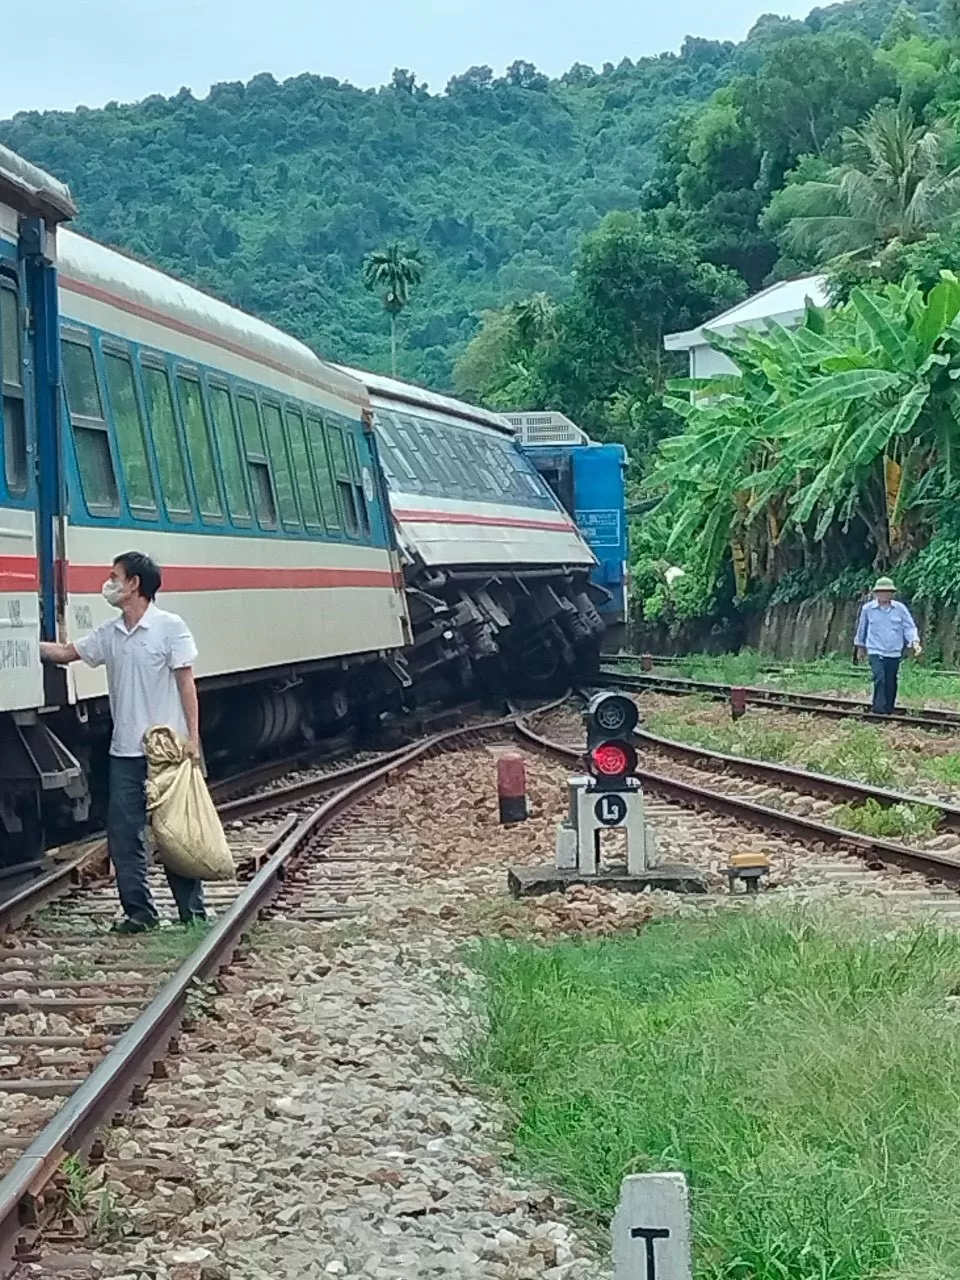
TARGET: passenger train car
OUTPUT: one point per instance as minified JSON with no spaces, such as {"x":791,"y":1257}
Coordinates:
{"x":329,"y":570}
{"x":494,"y":565}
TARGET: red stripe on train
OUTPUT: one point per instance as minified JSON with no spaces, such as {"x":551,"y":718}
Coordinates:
{"x":19,"y":573}
{"x":467,"y":517}
{"x":87,"y":579}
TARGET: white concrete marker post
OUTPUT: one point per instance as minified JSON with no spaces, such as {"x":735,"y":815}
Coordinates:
{"x":651,"y":1229}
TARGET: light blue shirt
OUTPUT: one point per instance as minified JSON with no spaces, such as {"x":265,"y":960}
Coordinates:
{"x":886,"y":631}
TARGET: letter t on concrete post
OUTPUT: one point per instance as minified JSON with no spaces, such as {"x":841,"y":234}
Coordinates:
{"x":651,"y":1229}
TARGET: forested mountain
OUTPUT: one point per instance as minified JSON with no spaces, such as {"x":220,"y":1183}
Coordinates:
{"x":271,"y":194}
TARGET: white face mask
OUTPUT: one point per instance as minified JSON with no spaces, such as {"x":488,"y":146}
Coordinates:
{"x":112,"y":592}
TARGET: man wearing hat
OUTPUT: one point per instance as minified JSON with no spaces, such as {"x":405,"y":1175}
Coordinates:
{"x":884,"y":630}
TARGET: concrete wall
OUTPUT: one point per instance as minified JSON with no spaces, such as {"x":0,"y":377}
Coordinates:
{"x":808,"y":629}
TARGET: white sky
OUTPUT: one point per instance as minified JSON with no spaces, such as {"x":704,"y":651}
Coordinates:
{"x":68,"y":52}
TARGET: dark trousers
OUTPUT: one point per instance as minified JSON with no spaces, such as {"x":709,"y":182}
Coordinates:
{"x":127,"y":846}
{"x":884,"y":672}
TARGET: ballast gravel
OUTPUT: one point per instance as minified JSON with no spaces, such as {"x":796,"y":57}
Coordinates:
{"x":319,"y":1123}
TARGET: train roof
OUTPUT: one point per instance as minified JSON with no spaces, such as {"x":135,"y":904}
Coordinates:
{"x":409,"y":393}
{"x":119,"y":280}
{"x":29,"y":188}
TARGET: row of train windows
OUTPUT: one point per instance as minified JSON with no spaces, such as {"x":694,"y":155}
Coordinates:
{"x":423,"y":455}
{"x":11,"y":384}
{"x":284,"y":460}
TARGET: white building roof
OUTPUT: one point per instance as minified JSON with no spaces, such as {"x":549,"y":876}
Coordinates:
{"x":784,"y":303}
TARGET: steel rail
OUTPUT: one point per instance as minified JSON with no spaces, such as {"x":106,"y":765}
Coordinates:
{"x":818,"y":704}
{"x":139,"y":1052}
{"x":805,"y":781}
{"x":937,"y":867}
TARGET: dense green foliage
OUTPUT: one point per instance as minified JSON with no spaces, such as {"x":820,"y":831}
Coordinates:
{"x":272,"y":194}
{"x":558,"y":229}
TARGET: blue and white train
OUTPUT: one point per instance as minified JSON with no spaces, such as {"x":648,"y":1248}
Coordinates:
{"x":340,"y":544}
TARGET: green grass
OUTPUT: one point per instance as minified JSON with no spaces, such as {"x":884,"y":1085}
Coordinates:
{"x":860,"y":753}
{"x":802,"y":1070}
{"x":746,"y":737}
{"x":944,"y":768}
{"x":895,"y":821}
{"x":918,"y":683}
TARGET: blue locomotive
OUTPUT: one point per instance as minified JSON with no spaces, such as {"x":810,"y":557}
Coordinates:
{"x":590,"y":481}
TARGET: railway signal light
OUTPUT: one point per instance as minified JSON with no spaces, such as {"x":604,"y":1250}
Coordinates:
{"x":612,"y":757}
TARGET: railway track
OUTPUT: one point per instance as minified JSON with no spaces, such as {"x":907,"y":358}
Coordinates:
{"x":811,"y":703}
{"x":88,"y":1023}
{"x":93,"y":1020}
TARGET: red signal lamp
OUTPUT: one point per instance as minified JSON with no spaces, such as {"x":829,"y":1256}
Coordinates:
{"x":613,"y":759}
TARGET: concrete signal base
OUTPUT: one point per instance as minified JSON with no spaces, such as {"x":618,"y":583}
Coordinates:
{"x":527,"y":882}
{"x":593,"y":810}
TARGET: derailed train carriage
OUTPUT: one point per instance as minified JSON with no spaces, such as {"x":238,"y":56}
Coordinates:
{"x":341,"y":545}
{"x":495,"y":567}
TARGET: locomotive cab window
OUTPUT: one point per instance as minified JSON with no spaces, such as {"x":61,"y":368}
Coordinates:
{"x":11,"y":380}
{"x":128,"y":431}
{"x":258,"y":469}
{"x":90,"y":435}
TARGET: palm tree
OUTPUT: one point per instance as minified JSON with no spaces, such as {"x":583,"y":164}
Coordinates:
{"x":892,"y":186}
{"x":394,"y":270}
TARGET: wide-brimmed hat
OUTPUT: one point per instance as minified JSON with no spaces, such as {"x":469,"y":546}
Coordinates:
{"x":884,"y":584}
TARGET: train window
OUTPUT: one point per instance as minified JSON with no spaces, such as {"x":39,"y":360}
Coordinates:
{"x":302,"y":471}
{"x":457,"y":469}
{"x":166,"y":442}
{"x":393,"y":449}
{"x":430,"y":437}
{"x":407,"y":432}
{"x":128,"y":427}
{"x":92,"y":442}
{"x":325,"y":486}
{"x":230,"y":459}
{"x":258,"y":469}
{"x":341,"y":471}
{"x":198,"y":446}
{"x":286,"y":498}
{"x":11,"y":375}
{"x":359,"y":495}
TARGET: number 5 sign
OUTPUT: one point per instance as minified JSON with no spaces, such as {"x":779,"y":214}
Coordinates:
{"x":651,"y":1229}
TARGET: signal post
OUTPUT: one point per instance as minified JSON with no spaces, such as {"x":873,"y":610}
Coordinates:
{"x":609,"y":798}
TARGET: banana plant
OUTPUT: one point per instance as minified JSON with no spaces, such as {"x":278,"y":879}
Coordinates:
{"x":846,"y":426}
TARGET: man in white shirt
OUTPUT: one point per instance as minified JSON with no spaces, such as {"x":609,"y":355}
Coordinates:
{"x":149,"y":656}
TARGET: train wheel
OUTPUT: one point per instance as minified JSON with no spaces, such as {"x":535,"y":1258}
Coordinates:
{"x":26,"y":844}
